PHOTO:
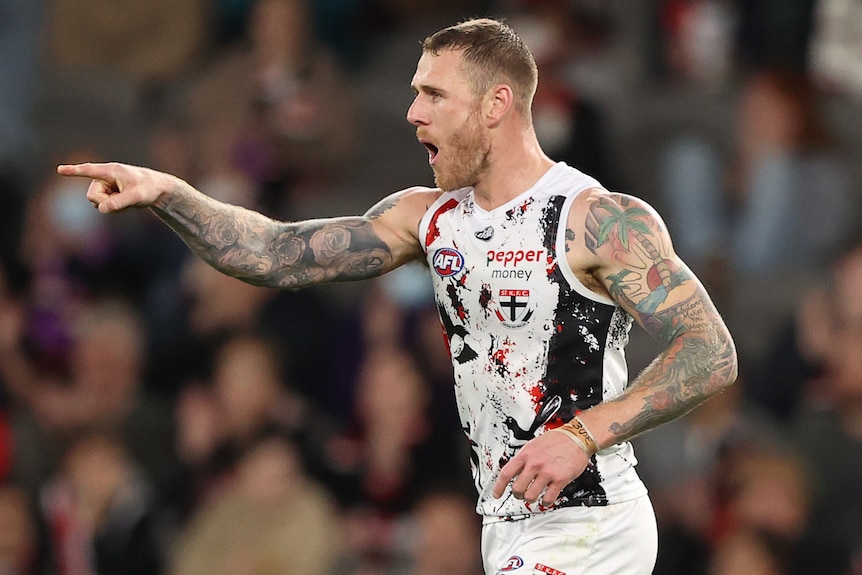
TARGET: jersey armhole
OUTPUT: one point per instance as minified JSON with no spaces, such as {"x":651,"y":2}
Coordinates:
{"x":427,"y":224}
{"x":563,"y":261}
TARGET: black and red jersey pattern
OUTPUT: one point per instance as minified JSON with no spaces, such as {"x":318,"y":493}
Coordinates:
{"x":530,"y":345}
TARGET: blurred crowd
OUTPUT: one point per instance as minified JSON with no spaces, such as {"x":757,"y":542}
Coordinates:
{"x":159,"y":418}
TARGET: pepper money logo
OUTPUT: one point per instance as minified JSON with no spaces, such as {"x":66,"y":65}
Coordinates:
{"x":447,"y":262}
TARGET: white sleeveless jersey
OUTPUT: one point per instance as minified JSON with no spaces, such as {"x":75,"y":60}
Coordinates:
{"x":531,"y":346}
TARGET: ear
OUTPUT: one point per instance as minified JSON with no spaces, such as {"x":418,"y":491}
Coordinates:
{"x":498,"y":102}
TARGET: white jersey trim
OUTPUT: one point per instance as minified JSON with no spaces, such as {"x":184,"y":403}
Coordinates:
{"x":563,"y":261}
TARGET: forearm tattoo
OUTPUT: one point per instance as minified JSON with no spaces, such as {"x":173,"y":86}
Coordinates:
{"x":256,"y":249}
{"x":671,"y":304}
{"x":699,"y":362}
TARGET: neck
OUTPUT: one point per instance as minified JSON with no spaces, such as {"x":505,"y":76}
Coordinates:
{"x":516,"y":162}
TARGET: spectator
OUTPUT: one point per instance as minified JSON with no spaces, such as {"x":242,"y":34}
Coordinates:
{"x":278,"y":111}
{"x":147,"y":43}
{"x":212,"y":307}
{"x":794,"y":361}
{"x":759,"y":203}
{"x":448,"y":533}
{"x":19,"y":538}
{"x":834,"y":51}
{"x":65,"y":251}
{"x":271,"y":519}
{"x":753,"y":552}
{"x":101,"y":513}
{"x":766,"y":515}
{"x":828,"y":430}
{"x":570,"y":125}
{"x":684,"y":467}
{"x":388,"y":455}
{"x":103,"y":390}
{"x":246,"y":399}
{"x":698,"y":41}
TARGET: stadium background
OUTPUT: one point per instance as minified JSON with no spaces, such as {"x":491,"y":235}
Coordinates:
{"x":156,"y":417}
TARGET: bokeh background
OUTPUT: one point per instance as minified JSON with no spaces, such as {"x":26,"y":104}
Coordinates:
{"x":159,"y":418}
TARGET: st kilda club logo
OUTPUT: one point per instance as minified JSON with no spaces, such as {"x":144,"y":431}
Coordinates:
{"x":513,"y":307}
{"x":448,"y":262}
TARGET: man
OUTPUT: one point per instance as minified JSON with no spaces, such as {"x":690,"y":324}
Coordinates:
{"x":538,"y":272}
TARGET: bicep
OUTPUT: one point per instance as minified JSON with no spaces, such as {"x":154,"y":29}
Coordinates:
{"x":636,"y":263}
{"x":335,"y":249}
{"x":347,"y":248}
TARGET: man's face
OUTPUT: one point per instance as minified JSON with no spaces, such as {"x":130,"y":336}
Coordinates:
{"x":447,"y":116}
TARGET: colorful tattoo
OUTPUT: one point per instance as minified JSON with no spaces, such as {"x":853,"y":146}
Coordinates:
{"x":671,"y":304}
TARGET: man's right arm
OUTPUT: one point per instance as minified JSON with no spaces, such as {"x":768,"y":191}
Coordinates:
{"x":254,"y":248}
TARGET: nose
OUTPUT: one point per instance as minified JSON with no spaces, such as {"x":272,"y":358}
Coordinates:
{"x":414,"y":113}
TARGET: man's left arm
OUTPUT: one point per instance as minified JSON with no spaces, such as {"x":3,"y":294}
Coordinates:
{"x":638,"y":267}
{"x":622,"y":249}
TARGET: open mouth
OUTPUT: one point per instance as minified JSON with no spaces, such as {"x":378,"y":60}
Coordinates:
{"x":432,"y":150}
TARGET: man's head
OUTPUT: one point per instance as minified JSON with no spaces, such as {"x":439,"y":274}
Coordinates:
{"x":491,"y":54}
{"x":472,"y":78}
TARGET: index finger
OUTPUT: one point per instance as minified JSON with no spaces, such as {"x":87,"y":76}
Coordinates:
{"x":105,"y":172}
{"x":507,"y":474}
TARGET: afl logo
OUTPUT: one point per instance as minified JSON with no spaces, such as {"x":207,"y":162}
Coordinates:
{"x":512,"y":563}
{"x":448,"y":262}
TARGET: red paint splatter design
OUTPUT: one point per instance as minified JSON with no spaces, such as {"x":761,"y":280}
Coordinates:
{"x":433,"y":229}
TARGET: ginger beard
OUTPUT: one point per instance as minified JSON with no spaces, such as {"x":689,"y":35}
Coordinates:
{"x":467,"y":153}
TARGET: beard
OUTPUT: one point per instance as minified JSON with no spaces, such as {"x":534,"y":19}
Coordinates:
{"x":467,"y":157}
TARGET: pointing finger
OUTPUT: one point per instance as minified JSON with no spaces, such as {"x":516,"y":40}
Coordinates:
{"x":105,"y":172}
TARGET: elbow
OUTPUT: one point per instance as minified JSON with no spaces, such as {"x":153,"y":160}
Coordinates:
{"x":732,"y":371}
{"x":725,"y":367}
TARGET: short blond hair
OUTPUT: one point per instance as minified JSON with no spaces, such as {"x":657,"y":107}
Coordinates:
{"x":494,"y":54}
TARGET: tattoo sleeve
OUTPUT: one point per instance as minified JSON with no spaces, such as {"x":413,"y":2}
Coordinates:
{"x":664,"y":296}
{"x":261,"y":251}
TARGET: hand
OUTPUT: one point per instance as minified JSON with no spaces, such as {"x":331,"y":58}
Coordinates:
{"x":116,"y":186}
{"x":545,"y":464}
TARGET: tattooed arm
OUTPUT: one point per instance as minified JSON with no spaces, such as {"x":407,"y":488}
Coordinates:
{"x":259,"y":250}
{"x":623,"y":243}
{"x":619,"y":248}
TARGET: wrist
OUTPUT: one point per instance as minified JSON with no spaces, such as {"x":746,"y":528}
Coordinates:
{"x":170,"y":191}
{"x":581,"y":435}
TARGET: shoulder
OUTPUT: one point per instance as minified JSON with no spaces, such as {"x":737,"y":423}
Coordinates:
{"x":605,"y":228}
{"x":597,"y":197}
{"x":597,"y":211}
{"x":408,"y":203}
{"x":396,"y":218}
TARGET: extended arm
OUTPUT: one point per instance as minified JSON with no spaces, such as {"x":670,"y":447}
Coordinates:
{"x":252,"y":247}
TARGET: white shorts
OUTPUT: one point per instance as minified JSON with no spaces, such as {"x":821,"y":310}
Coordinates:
{"x":617,"y":539}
